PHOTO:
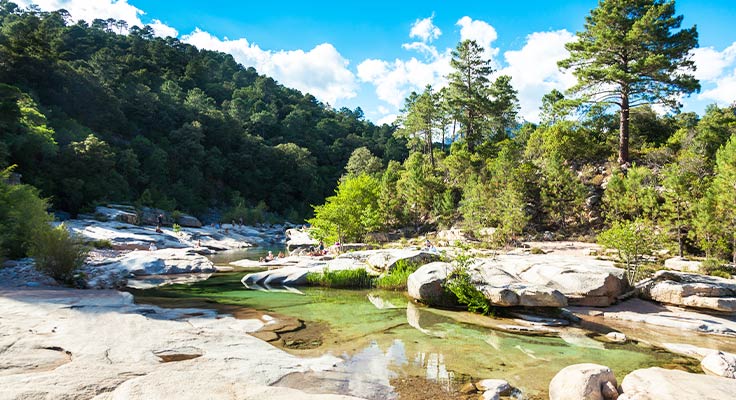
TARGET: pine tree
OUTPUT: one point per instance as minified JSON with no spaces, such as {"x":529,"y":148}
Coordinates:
{"x":629,"y":55}
{"x":724,"y":191}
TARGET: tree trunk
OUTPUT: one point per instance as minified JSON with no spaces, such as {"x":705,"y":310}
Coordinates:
{"x":623,"y":137}
{"x":679,"y":234}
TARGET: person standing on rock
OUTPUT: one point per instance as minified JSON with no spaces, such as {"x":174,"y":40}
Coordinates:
{"x":160,"y":221}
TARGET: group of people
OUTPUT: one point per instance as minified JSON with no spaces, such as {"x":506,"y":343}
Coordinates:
{"x":270,"y":256}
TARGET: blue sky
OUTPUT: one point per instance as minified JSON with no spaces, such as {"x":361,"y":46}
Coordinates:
{"x":372,"y":55}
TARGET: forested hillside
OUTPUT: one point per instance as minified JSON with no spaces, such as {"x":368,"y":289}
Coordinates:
{"x":90,"y":115}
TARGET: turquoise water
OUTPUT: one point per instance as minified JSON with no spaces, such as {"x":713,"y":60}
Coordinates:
{"x":404,"y":339}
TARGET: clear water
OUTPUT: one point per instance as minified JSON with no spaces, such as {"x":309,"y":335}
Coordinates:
{"x":404,"y":339}
{"x":250,"y":253}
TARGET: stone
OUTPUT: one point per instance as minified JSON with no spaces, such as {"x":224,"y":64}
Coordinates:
{"x":616,"y":337}
{"x":581,"y":280}
{"x":386,"y":259}
{"x":581,"y":382}
{"x":126,"y":215}
{"x":426,"y":284}
{"x":691,"y":290}
{"x":659,"y":383}
{"x":98,"y":344}
{"x":293,"y":270}
{"x":720,"y":364}
{"x":609,"y":391}
{"x":682,"y":264}
{"x":498,"y":387}
{"x":299,"y":239}
{"x":189,"y":221}
{"x":468,"y":388}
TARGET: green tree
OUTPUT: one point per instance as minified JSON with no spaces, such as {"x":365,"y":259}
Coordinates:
{"x":632,"y":240}
{"x":682,"y":187}
{"x":631,"y":195}
{"x":469,"y":88}
{"x":631,"y":53}
{"x":421,"y":118}
{"x":22,"y":216}
{"x":58,"y":253}
{"x":562,"y":193}
{"x":724,"y":191}
{"x":362,"y":161}
{"x":352,"y":212}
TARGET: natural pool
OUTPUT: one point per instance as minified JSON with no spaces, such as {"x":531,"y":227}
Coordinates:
{"x":385,"y":339}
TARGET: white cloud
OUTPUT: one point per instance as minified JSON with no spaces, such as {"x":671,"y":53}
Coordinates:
{"x":388,"y":119}
{"x":88,"y":10}
{"x":711,"y":63}
{"x":724,"y":91}
{"x":425,"y":30}
{"x":163,"y":30}
{"x":321,"y":71}
{"x":395,"y":80}
{"x":534,"y":72}
{"x":716,"y":71}
{"x":481,"y":32}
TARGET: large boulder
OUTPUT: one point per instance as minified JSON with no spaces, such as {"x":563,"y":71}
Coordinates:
{"x":720,"y":364}
{"x":161,"y":262}
{"x":583,"y":382}
{"x":299,"y":239}
{"x":659,"y":383}
{"x":386,"y":260}
{"x":426,"y":284}
{"x":542,"y":277}
{"x":188,"y":221}
{"x":294,"y":273}
{"x":692,"y":290}
{"x":682,"y":264}
{"x":118,"y":213}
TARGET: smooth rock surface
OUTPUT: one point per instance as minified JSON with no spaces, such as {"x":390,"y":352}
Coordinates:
{"x":426,"y":284}
{"x":581,"y":382}
{"x":720,"y":364}
{"x":84,"y":344}
{"x":582,"y":280}
{"x":386,"y":259}
{"x":692,"y":290}
{"x":659,"y":384}
{"x":297,"y":238}
{"x":293,"y":270}
{"x":682,"y":264}
{"x":642,"y":311}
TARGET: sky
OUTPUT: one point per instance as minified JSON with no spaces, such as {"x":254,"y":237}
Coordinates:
{"x":373,"y":54}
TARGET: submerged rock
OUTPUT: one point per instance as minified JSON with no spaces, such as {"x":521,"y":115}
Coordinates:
{"x":659,"y":383}
{"x":692,"y":290}
{"x":584,"y":382}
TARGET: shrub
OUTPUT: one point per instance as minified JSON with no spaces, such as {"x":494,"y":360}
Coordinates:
{"x":632,"y":240}
{"x":176,"y":228}
{"x":537,"y":250}
{"x":396,"y":279}
{"x":721,"y":273}
{"x":348,"y":278}
{"x":101,"y":244}
{"x":22,"y":213}
{"x":460,"y":284}
{"x":58,"y":253}
{"x":710,"y":265}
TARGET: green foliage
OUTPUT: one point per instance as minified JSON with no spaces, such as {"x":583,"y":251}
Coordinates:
{"x":459,"y":283}
{"x":22,"y":216}
{"x":176,"y":228}
{"x":632,"y":53}
{"x":58,"y":253}
{"x":724,"y":192}
{"x":632,"y":240}
{"x":631,"y":195}
{"x":103,"y":116}
{"x":562,"y":194}
{"x":352,"y":212}
{"x":721,"y":274}
{"x":396,"y":278}
{"x":101,"y":244}
{"x":343,"y":279}
{"x":362,"y":161}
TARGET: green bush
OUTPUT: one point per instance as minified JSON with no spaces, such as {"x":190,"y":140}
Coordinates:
{"x":460,"y":284}
{"x":537,"y":250}
{"x":176,"y":228}
{"x":348,"y":278}
{"x":22,"y":214}
{"x":721,"y":273}
{"x":396,"y":279}
{"x":101,"y":244}
{"x":58,"y":253}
